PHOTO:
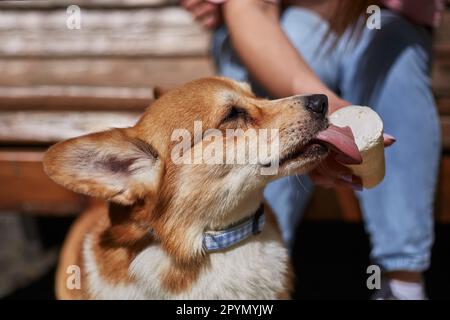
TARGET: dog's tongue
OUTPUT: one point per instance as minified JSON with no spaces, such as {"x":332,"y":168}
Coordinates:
{"x":341,"y":141}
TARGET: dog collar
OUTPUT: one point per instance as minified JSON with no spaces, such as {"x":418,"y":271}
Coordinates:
{"x":223,"y":239}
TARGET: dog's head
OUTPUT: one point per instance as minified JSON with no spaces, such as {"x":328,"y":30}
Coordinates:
{"x":179,"y":158}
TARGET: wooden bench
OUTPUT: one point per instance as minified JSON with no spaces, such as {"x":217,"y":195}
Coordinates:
{"x":57,"y":83}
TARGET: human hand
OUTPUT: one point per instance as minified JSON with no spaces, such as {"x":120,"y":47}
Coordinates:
{"x":335,"y":103}
{"x":331,"y":173}
{"x":207,"y":13}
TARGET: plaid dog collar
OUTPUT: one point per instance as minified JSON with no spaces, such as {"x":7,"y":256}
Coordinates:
{"x":223,"y":239}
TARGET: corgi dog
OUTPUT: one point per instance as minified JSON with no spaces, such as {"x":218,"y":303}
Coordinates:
{"x":180,"y":228}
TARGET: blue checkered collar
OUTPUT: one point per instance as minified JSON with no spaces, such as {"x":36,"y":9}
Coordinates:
{"x":223,"y":239}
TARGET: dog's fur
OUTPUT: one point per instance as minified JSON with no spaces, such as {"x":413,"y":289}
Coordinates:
{"x":132,"y":169}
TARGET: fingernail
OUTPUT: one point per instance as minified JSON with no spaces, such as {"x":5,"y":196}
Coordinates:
{"x":347,"y":178}
{"x":390,"y":137}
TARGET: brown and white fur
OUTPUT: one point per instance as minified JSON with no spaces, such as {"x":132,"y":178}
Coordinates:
{"x":132,"y":169}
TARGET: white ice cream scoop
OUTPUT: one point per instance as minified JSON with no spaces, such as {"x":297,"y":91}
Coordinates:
{"x":367,"y":129}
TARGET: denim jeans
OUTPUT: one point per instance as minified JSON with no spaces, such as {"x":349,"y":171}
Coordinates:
{"x":387,"y":69}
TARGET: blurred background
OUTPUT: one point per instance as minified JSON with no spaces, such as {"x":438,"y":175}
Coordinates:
{"x":58,"y":81}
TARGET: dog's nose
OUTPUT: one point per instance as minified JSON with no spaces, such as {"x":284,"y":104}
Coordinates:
{"x":317,"y":103}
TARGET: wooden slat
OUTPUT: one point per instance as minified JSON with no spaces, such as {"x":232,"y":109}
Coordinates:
{"x":444,"y":106}
{"x":441,"y":63}
{"x":75,"y":98}
{"x":445,"y":127}
{"x":442,"y":33}
{"x":441,"y":76}
{"x":122,"y":72}
{"x":166,"y":31}
{"x":48,"y":127}
{"x":442,"y":199}
{"x":51,"y":4}
{"x":25,"y":188}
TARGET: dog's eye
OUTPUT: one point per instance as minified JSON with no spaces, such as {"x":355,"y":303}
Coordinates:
{"x":235,"y":113}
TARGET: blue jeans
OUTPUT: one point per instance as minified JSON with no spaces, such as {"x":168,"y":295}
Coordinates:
{"x":387,"y":69}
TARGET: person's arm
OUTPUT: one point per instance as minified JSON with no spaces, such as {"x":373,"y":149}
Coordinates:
{"x":268,"y":54}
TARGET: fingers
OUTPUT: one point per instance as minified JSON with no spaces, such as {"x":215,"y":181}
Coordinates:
{"x":331,"y":173}
{"x":328,"y":182}
{"x":388,"y":140}
{"x":321,"y":180}
{"x":206,"y":13}
{"x":333,"y":169}
{"x":212,"y":21}
{"x":189,"y":4}
{"x":203,"y":9}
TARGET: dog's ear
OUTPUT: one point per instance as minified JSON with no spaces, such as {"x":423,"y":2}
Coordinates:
{"x":112,"y":165}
